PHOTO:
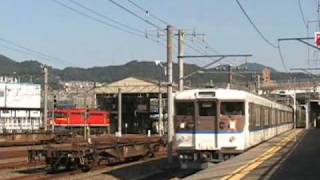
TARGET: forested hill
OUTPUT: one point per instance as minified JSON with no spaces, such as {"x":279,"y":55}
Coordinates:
{"x":143,"y":69}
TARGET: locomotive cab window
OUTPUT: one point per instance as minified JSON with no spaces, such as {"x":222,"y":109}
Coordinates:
{"x":232,"y":108}
{"x":207,"y":109}
{"x":185,"y":108}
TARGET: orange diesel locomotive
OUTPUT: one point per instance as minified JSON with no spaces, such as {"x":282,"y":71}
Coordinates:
{"x":77,"y":119}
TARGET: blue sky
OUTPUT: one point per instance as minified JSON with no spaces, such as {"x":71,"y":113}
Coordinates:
{"x":44,"y":26}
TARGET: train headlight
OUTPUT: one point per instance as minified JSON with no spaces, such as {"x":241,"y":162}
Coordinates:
{"x":182,"y":125}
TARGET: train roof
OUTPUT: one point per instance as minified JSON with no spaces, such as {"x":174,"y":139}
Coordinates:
{"x":227,"y":94}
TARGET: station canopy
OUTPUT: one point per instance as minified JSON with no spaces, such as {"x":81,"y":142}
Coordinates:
{"x":133,"y":85}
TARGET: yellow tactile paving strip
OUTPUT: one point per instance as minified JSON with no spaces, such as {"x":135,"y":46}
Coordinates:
{"x":244,"y":170}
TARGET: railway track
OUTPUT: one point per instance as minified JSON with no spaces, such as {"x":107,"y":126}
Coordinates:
{"x":104,"y":154}
{"x":41,"y":174}
{"x":15,"y":157}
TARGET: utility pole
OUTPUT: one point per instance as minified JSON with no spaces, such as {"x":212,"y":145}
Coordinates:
{"x":170,"y":95}
{"x":180,"y":59}
{"x":87,"y":128}
{"x":229,"y":76}
{"x":294,"y":109}
{"x":45,"y":106}
{"x":160,"y":124}
{"x":119,"y":112}
{"x":54,"y":111}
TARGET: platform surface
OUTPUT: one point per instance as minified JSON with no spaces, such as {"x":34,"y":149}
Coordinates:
{"x":303,"y":162}
{"x":264,"y":161}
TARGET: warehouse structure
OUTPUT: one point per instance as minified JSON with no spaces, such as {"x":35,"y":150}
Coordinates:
{"x":20,"y":107}
{"x":143,"y":104}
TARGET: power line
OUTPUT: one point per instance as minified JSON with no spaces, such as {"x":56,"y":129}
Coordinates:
{"x":281,"y":57}
{"x":20,"y":51}
{"x":15,"y":49}
{"x":254,"y":26}
{"x":101,"y":21}
{"x":264,"y":37}
{"x":206,"y":44}
{"x":134,"y":14}
{"x":95,"y":19}
{"x":302,"y":14}
{"x":105,"y":17}
{"x":318,"y":13}
{"x":147,"y":12}
{"x":34,"y":52}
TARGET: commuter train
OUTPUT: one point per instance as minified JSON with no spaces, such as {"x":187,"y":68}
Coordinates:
{"x":214,"y":124}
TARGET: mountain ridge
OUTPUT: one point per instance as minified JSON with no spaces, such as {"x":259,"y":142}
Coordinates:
{"x":135,"y":68}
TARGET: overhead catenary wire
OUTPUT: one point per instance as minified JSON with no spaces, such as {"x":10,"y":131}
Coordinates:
{"x":16,"y":50}
{"x":147,"y":12}
{"x":102,"y":21}
{"x":117,"y":27}
{"x":106,"y":17}
{"x":135,"y":14}
{"x":264,"y":37}
{"x":255,"y":27}
{"x":281,"y":57}
{"x":207,"y":46}
{"x":302,"y":13}
{"x":35,"y":52}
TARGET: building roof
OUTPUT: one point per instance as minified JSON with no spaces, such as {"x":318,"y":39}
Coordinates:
{"x":132,"y":85}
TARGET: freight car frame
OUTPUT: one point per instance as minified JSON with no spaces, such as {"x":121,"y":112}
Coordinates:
{"x":107,"y":150}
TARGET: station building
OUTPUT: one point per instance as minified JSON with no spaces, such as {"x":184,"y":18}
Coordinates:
{"x":20,"y":107}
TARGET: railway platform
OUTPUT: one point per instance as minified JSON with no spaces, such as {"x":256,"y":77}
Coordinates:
{"x":282,"y":157}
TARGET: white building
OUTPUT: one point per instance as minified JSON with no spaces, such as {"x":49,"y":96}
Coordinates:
{"x":20,"y":107}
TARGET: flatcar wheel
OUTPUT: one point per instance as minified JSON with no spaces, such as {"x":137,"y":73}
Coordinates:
{"x":85,"y":168}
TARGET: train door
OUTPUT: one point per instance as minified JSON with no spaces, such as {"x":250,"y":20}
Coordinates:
{"x":205,"y":125}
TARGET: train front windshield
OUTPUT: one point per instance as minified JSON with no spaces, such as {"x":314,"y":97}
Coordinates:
{"x":184,"y":116}
{"x":184,"y":108}
{"x":232,"y":108}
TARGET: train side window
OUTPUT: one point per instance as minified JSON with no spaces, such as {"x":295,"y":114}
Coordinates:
{"x":266,"y":116}
{"x":262,"y":115}
{"x":257,"y":112}
{"x":207,"y":109}
{"x":185,"y":108}
{"x":59,"y":115}
{"x":273,"y":117}
{"x":232,"y":108}
{"x":252,"y":117}
{"x":278,"y":116}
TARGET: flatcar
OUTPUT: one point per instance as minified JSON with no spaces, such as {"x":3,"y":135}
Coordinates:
{"x":215,"y":124}
{"x":76,"y":119}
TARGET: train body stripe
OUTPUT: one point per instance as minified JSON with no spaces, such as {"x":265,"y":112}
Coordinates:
{"x":209,"y":132}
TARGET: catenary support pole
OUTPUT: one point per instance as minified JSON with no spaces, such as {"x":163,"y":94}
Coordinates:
{"x":180,"y":58}
{"x":170,"y":95}
{"x":160,"y":125}
{"x":119,"y":112}
{"x":45,"y":106}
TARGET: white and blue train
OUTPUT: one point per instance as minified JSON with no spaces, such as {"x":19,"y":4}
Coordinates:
{"x":212,"y":124}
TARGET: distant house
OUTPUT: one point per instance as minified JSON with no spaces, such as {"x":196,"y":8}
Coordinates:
{"x":266,"y":75}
